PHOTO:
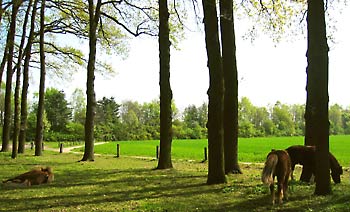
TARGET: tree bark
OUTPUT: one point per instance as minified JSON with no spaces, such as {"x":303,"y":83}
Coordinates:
{"x":216,"y":171}
{"x":9,"y":74}
{"x":18,"y":87}
{"x":25,"y":84}
{"x":40,"y":113}
{"x":229,"y":65}
{"x":94,"y":16}
{"x":164,"y":161}
{"x":316,"y":114}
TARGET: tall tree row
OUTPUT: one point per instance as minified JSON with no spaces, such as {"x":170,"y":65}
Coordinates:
{"x":40,"y":112}
{"x":94,"y":16}
{"x":223,"y":92}
{"x":25,"y":83}
{"x":165,"y":89}
{"x":229,"y":64}
{"x":316,"y":113}
{"x":216,"y":170}
{"x":10,"y":43}
{"x":15,"y":146}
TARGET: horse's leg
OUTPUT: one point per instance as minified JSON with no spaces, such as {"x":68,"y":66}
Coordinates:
{"x":285,"y":188}
{"x":280,"y":192}
{"x":272,"y":191}
{"x":306,"y":173}
{"x":292,"y":172}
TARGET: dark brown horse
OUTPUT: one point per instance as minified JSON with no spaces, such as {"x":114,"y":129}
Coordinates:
{"x":277,"y":164}
{"x":305,"y":155}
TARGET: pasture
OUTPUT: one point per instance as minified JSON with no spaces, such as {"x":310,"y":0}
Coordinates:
{"x":130,"y":183}
{"x":249,"y":149}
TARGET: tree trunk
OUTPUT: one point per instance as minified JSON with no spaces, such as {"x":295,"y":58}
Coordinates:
{"x":94,"y":15}
{"x":40,"y":113}
{"x":164,"y":161}
{"x":18,"y":86}
{"x":216,"y":171}
{"x":24,"y":99}
{"x":316,"y":114}
{"x":3,"y":62}
{"x":10,"y":44}
{"x":229,"y":66}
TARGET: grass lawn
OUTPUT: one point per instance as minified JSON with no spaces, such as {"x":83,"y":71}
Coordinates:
{"x":132,"y":184}
{"x":249,"y":149}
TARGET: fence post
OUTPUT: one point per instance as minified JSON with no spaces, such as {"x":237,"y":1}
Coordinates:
{"x":61,"y":148}
{"x":31,"y":145}
{"x":157,"y":152}
{"x":118,"y":150}
{"x":205,"y":154}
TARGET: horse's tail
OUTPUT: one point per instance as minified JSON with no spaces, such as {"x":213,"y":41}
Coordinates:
{"x":269,"y":169}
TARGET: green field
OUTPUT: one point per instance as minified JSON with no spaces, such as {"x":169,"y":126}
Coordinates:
{"x":131,"y":182}
{"x":249,"y":149}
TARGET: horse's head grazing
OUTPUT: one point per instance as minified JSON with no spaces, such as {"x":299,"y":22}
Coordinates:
{"x":336,"y":174}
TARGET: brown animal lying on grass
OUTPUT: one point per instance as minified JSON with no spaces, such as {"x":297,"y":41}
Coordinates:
{"x":34,"y":177}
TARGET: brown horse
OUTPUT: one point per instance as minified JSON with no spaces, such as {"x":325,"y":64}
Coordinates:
{"x":277,"y":164}
{"x":305,"y":155}
{"x":34,"y":177}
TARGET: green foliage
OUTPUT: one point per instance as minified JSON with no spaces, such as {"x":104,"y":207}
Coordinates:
{"x":78,"y":103}
{"x":57,"y":109}
{"x":131,"y":120}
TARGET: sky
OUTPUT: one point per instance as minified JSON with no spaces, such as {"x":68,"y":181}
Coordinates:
{"x":268,"y":72}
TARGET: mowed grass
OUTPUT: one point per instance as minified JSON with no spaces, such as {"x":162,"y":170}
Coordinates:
{"x":132,"y":184}
{"x":249,"y":149}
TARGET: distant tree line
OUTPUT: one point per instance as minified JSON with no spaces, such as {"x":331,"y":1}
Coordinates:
{"x":130,"y":120}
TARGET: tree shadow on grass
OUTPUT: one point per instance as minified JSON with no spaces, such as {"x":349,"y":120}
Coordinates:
{"x":139,"y":184}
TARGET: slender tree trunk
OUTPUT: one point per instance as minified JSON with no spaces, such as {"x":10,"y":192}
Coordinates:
{"x":24,"y":101}
{"x":165,"y":88}
{"x":94,"y":15}
{"x":1,"y":12}
{"x":3,"y":62}
{"x":231,"y":87}
{"x":216,"y":171}
{"x":316,"y":115}
{"x":10,"y":43}
{"x":40,"y":114}
{"x":18,"y":86}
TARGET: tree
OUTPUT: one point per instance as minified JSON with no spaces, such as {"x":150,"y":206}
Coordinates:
{"x":229,"y":65}
{"x":107,"y":111}
{"x":40,"y":113}
{"x":283,"y":120}
{"x":246,"y":111}
{"x":78,"y":103}
{"x":297,"y":112}
{"x":17,"y":124}
{"x":166,"y":94}
{"x":25,"y":84}
{"x":9,"y":74}
{"x":216,"y":171}
{"x":150,"y":119}
{"x":57,"y":109}
{"x":316,"y":114}
{"x":336,"y":120}
{"x":195,"y":120}
{"x":94,"y":16}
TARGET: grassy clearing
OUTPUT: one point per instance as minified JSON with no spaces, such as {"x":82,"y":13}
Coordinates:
{"x":131,"y":184}
{"x":249,"y":149}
